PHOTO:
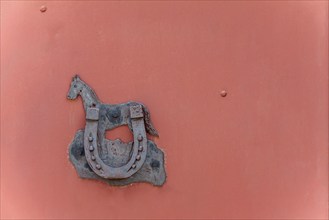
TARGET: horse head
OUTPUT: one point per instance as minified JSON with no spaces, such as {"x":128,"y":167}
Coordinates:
{"x":75,"y":88}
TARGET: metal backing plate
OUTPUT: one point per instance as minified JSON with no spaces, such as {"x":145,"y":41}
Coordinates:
{"x":152,"y":171}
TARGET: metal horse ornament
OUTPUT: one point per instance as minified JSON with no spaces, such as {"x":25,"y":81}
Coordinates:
{"x":114,"y":161}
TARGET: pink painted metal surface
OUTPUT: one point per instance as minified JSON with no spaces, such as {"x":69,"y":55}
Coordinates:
{"x":260,"y":150}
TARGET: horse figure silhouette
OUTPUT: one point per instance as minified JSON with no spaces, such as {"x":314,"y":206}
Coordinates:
{"x":111,"y":115}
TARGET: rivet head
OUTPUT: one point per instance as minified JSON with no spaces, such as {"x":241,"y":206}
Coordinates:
{"x":93,"y":158}
{"x":91,"y":148}
{"x":133,"y":166}
{"x":223,"y":93}
{"x":138,"y":157}
{"x":43,"y":8}
{"x":140,"y":137}
{"x":98,"y":166}
{"x":90,"y":138}
{"x":115,"y":114}
{"x":140,"y":148}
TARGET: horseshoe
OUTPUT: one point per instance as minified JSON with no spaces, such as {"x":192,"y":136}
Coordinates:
{"x":139,"y":148}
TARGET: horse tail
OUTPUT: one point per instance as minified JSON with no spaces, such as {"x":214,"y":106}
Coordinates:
{"x":148,"y":124}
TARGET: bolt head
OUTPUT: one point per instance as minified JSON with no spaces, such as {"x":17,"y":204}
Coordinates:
{"x":93,"y":158}
{"x":90,"y":138}
{"x":91,"y":148}
{"x":223,"y":93}
{"x":140,"y":148}
{"x":138,"y":157}
{"x":98,"y":166}
{"x":133,"y":166}
{"x":140,"y":137}
{"x":43,"y":8}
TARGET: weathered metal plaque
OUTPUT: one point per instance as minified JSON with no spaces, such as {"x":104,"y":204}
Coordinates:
{"x":96,"y":157}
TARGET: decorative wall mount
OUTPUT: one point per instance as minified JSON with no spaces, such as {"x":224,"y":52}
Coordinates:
{"x":114,"y":161}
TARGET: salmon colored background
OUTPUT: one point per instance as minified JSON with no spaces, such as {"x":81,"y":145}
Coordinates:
{"x":260,"y":152}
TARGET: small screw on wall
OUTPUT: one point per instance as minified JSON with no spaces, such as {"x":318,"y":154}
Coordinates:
{"x":223,"y":93}
{"x":43,"y":8}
